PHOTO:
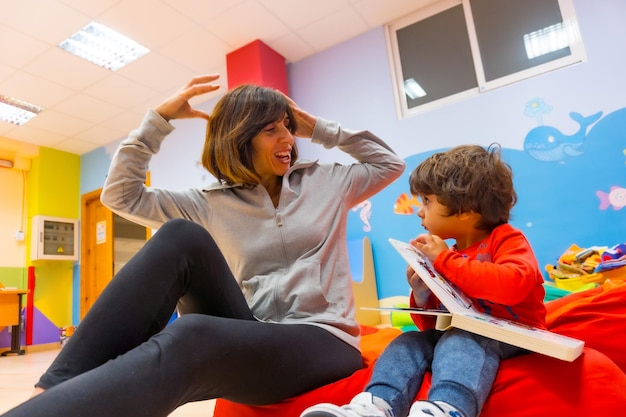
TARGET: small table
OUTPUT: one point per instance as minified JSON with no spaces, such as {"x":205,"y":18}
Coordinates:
{"x":11,"y":315}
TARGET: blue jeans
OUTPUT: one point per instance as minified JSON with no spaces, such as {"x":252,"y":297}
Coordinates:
{"x":463,"y":365}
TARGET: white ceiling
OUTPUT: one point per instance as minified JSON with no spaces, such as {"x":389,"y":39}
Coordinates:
{"x":86,"y":107}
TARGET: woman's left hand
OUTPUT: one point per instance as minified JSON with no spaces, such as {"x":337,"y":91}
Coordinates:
{"x":304,"y":121}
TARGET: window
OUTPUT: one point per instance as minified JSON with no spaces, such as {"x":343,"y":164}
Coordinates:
{"x":454,"y":49}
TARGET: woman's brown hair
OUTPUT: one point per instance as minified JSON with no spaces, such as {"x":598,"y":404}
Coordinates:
{"x":237,"y":118}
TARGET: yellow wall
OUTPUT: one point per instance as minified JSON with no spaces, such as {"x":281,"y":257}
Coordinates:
{"x":12,"y":218}
{"x":54,"y":191}
{"x":54,"y":187}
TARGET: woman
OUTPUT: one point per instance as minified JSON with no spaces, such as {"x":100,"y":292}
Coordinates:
{"x":256,"y":266}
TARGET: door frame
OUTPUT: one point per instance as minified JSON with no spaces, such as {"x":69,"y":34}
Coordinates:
{"x":92,"y":268}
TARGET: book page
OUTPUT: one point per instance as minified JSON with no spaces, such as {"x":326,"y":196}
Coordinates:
{"x":411,"y":310}
{"x":464,"y":316}
{"x":452,"y":298}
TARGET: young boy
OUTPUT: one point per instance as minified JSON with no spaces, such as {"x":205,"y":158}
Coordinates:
{"x":467,"y":194}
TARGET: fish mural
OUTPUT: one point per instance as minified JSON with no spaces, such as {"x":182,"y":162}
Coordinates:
{"x":405,"y":204}
{"x":616,"y":198}
{"x":547,"y":143}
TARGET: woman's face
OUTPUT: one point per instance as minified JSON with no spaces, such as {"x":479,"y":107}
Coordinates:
{"x":272,"y":149}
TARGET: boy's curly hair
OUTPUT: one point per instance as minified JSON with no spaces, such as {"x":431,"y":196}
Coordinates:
{"x":468,"y":178}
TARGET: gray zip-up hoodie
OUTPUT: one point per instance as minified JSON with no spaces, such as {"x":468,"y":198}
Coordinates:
{"x":291,"y":261}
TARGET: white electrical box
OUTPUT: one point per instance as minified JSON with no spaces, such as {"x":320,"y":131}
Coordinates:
{"x":54,"y":238}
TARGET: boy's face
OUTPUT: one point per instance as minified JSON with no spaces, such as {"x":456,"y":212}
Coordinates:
{"x":435,"y":219}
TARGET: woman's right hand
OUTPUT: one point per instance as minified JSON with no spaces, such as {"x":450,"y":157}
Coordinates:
{"x":178,"y":107}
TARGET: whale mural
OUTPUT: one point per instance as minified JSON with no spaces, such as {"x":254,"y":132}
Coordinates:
{"x":546,"y":143}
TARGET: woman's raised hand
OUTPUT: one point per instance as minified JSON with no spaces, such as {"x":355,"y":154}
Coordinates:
{"x":178,"y":107}
{"x":305,"y":121}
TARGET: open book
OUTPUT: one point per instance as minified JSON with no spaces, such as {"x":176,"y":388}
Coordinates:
{"x":462,"y":315}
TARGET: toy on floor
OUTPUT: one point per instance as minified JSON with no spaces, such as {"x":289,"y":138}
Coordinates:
{"x":579,"y":269}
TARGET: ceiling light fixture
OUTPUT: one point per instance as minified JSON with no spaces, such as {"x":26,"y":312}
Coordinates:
{"x":103,"y":46}
{"x":17,"y":111}
{"x":6,"y":163}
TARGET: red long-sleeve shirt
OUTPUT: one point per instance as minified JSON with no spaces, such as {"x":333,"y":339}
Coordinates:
{"x":499,"y":274}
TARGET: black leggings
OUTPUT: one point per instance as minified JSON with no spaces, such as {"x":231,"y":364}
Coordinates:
{"x":124,"y":360}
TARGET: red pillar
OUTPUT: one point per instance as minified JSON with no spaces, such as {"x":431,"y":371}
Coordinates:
{"x":30,"y":301}
{"x":257,"y":63}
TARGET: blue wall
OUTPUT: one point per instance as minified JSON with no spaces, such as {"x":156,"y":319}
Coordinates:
{"x":563,"y":194}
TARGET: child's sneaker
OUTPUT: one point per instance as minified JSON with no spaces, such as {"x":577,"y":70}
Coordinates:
{"x":433,"y":409}
{"x":361,"y":405}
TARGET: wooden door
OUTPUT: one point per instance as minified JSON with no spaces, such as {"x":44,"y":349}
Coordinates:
{"x":96,"y":260}
{"x":107,"y":243}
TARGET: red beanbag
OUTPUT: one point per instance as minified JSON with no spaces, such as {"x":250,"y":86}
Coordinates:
{"x":531,"y":385}
{"x":373,"y":342}
{"x":535,"y":385}
{"x":597,"y":316}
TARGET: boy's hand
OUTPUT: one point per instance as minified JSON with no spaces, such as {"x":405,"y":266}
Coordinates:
{"x":421,"y":292}
{"x":429,"y":245}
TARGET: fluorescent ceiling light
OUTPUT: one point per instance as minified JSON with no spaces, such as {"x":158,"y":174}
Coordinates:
{"x":17,"y":111}
{"x":413,"y":89}
{"x":103,"y":46}
{"x":546,"y":40}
